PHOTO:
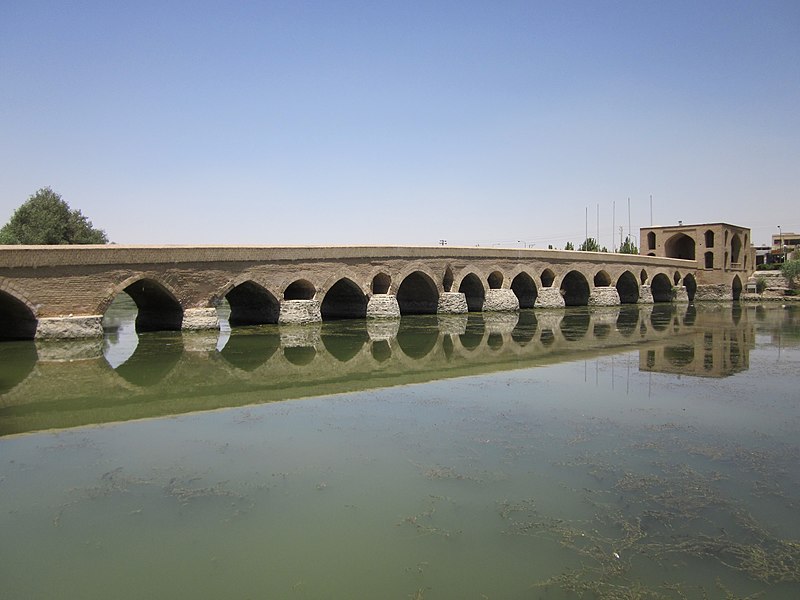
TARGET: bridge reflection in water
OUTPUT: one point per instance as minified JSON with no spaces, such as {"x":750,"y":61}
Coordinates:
{"x":50,"y":385}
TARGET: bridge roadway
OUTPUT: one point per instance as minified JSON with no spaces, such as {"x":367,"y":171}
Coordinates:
{"x":64,"y":291}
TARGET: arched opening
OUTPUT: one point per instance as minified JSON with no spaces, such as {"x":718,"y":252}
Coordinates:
{"x":676,"y":278}
{"x":680,"y":245}
{"x":525,"y":329}
{"x":709,"y":260}
{"x":381,"y":283}
{"x":643,"y":276}
{"x":627,"y":288}
{"x":300,"y":356}
{"x":417,"y":294}
{"x":472,"y":288}
{"x":247,"y":351}
{"x":251,"y":304}
{"x":602,"y":279}
{"x":344,"y":300}
{"x":661,"y":317}
{"x":17,"y":321}
{"x":651,"y":254}
{"x":495,"y":280}
{"x":158,"y":309}
{"x":344,"y":341}
{"x":548,"y":277}
{"x":447,"y":280}
{"x":709,"y":239}
{"x":736,"y":288}
{"x":299,"y":290}
{"x":725,"y":263}
{"x":381,"y":350}
{"x":651,"y":240}
{"x":690,"y":283}
{"x":495,"y":341}
{"x":736,"y":249}
{"x":524,"y":288}
{"x":627,"y":320}
{"x":575,"y":289}
{"x":661,"y":288}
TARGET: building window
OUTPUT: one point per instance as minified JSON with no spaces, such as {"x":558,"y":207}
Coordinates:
{"x":651,"y":241}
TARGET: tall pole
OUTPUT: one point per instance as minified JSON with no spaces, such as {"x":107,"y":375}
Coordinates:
{"x":614,"y":224}
{"x":598,"y":225}
{"x":629,"y":216}
{"x":780,"y":235}
{"x":651,"y":210}
{"x":587,"y":223}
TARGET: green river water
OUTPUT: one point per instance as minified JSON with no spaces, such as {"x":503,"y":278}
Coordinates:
{"x":635,"y":452}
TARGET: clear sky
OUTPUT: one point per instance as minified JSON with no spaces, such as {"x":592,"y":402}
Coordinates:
{"x":408,"y":122}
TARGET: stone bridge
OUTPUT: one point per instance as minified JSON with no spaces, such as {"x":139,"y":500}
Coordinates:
{"x":64,"y":291}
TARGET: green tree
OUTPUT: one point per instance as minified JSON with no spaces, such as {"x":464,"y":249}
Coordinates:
{"x":47,"y":219}
{"x":791,"y":271}
{"x":569,"y":246}
{"x":628,"y":247}
{"x":590,"y":245}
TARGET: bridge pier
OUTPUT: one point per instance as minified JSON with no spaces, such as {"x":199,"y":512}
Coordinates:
{"x":645,"y":295}
{"x":198,"y":319}
{"x":300,"y":311}
{"x":500,"y":300}
{"x":452,"y":303}
{"x":679,"y":294}
{"x":52,"y":328}
{"x":383,"y":306}
{"x":549,"y":297}
{"x":604,"y":296}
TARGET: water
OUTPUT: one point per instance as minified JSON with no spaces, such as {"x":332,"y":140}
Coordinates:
{"x":645,"y":453}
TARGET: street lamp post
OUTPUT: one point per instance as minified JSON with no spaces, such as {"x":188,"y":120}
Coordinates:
{"x":780,"y":236}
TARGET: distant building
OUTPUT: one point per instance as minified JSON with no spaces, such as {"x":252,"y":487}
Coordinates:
{"x":721,"y":253}
{"x":783,"y":244}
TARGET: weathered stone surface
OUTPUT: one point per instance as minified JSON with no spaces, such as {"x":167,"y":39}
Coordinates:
{"x":679,"y":294}
{"x":294,"y":336}
{"x":549,"y":298}
{"x":713,"y":293}
{"x":500,"y":322}
{"x":383,"y":306}
{"x":604,"y":296}
{"x":197,"y":319}
{"x":452,"y":303}
{"x":200,"y":340}
{"x":500,"y":301}
{"x":646,"y":295}
{"x":51,"y":328}
{"x":550,"y":320}
{"x":54,"y":350}
{"x":300,"y":311}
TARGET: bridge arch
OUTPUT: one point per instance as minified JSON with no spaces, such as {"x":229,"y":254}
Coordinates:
{"x":158,"y":308}
{"x":602,"y":279}
{"x":381,"y":283}
{"x":344,"y":300}
{"x":547,"y":278}
{"x":524,"y":287}
{"x":627,"y":288}
{"x":474,"y":292}
{"x":299,"y":289}
{"x":495,"y":280}
{"x":661,"y":288}
{"x":417,"y":294}
{"x":575,"y":289}
{"x":251,"y":304}
{"x":17,"y":319}
{"x":736,"y":287}
{"x":447,"y":280}
{"x":690,"y":283}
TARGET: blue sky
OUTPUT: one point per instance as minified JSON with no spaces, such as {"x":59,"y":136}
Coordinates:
{"x":404,"y":122}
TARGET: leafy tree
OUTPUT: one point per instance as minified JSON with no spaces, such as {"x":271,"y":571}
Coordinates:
{"x":628,"y":247}
{"x":569,"y":246}
{"x":591,"y":245}
{"x":47,"y":219}
{"x":791,"y":271}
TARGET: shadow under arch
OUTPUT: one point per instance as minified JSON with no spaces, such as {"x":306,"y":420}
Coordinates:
{"x":17,"y":359}
{"x":344,"y":300}
{"x":417,"y":336}
{"x":627,"y":320}
{"x":661,"y":317}
{"x":252,"y":304}
{"x":575,"y":289}
{"x":690,"y":283}
{"x":525,"y":329}
{"x":344,"y":342}
{"x":248,"y":350}
{"x":680,"y":245}
{"x":661,"y":288}
{"x":628,"y":288}
{"x":524,"y":287}
{"x":300,"y":356}
{"x":157,"y":307}
{"x":155,"y":356}
{"x":680,"y":355}
{"x":473,"y":291}
{"x":17,"y":321}
{"x":417,"y":295}
{"x":736,"y":288}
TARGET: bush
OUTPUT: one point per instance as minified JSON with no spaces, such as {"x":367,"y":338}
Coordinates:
{"x":761,"y":284}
